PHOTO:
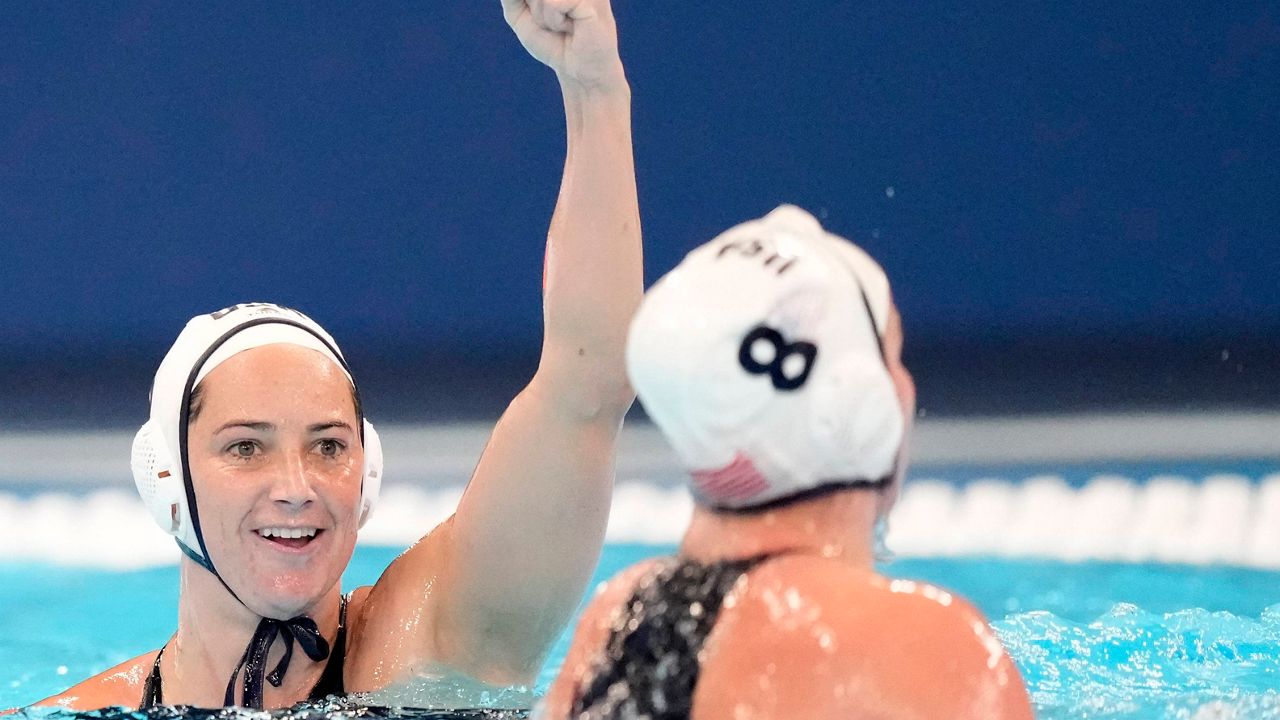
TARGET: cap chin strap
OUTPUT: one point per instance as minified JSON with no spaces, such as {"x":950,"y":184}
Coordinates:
{"x":301,"y":628}
{"x":199,"y":559}
{"x":254,"y":661}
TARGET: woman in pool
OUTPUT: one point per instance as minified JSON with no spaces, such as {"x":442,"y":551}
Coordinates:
{"x":771,"y":360}
{"x":268,"y":436}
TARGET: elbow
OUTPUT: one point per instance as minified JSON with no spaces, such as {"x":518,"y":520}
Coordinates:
{"x":587,"y":381}
{"x":602,"y":399}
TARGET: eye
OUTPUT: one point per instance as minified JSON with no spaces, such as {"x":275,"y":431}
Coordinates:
{"x":330,"y":448}
{"x":243,"y":449}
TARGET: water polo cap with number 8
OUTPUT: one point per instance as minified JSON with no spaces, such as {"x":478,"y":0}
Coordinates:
{"x":761,"y":358}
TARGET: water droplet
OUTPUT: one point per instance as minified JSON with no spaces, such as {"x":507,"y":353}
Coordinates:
{"x":659,"y":700}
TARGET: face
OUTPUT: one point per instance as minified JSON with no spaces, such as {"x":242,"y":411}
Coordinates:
{"x":274,"y":452}
{"x":905,"y":387}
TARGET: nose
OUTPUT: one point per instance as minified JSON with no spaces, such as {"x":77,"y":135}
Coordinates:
{"x":291,"y":486}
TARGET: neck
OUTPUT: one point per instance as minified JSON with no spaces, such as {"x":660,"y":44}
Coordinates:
{"x":214,"y":629}
{"x":840,"y":526}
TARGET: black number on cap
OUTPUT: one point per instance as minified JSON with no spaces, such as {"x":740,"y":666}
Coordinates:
{"x":781,"y":351}
{"x":756,"y":249}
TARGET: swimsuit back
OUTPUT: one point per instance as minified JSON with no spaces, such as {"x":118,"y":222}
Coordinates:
{"x":650,"y":667}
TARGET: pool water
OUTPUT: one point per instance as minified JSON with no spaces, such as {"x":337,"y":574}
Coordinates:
{"x":1093,"y":640}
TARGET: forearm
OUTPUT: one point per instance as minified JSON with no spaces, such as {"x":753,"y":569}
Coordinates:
{"x":594,"y":274}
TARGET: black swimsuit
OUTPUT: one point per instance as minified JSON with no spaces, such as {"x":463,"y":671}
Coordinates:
{"x":330,"y":682}
{"x":651,"y":662}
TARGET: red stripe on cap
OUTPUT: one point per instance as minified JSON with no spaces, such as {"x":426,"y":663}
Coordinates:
{"x":727,"y":483}
{"x":739,"y":480}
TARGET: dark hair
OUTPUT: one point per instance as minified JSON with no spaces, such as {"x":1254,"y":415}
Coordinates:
{"x":193,"y":408}
{"x":197,"y":394}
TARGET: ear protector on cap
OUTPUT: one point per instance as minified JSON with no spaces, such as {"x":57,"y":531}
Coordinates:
{"x":158,"y":458}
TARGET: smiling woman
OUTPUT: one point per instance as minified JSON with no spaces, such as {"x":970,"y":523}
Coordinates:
{"x":258,"y":460}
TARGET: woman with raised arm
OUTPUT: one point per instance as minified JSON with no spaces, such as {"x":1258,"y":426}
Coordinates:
{"x":771,"y":359}
{"x":258,"y":459}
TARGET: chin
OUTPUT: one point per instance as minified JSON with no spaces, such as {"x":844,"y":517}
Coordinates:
{"x":287,"y":595}
{"x":284,"y":584}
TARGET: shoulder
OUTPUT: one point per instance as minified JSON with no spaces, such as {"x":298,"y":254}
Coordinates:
{"x":848,"y":599}
{"x":120,"y":686}
{"x":848,"y":636}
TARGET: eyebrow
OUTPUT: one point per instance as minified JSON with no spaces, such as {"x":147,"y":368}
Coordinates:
{"x":260,"y":426}
{"x":320,"y":427}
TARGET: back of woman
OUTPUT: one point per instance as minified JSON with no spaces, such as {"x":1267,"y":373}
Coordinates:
{"x":813,"y":638}
{"x":794,"y":637}
{"x":771,"y":359}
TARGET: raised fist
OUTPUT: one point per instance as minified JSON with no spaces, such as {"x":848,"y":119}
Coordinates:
{"x":576,"y":38}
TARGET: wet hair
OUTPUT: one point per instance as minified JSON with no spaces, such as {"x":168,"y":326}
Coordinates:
{"x":197,"y":396}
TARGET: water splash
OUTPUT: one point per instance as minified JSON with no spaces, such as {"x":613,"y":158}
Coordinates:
{"x":441,"y":687}
{"x":1129,"y":663}
{"x":328,"y":709}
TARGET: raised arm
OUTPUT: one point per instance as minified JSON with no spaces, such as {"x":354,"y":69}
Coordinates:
{"x":499,"y":581}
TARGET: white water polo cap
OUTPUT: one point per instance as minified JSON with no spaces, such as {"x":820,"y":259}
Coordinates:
{"x":159,"y":462}
{"x":760,"y":356}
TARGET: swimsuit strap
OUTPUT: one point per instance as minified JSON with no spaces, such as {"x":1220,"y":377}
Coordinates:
{"x":153,"y":690}
{"x":650,"y":665}
{"x":330,"y":682}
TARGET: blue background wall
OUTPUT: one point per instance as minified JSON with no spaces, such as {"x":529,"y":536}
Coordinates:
{"x":1044,"y":182}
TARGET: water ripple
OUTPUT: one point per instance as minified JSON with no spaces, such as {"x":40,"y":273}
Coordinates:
{"x":1129,"y":663}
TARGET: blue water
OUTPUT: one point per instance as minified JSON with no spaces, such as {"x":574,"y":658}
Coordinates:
{"x":1093,"y":640}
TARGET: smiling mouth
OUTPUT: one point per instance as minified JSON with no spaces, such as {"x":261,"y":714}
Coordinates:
{"x":292,"y":538}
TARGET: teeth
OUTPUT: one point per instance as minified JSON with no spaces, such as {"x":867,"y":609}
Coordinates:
{"x":283,"y":532}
